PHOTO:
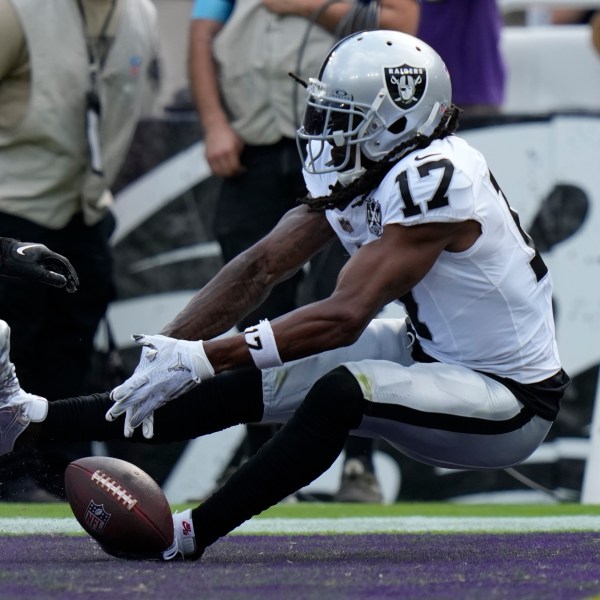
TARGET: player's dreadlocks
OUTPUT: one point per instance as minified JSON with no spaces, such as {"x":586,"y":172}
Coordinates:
{"x":341,"y":195}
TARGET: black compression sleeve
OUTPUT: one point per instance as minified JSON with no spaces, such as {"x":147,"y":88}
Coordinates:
{"x":228,"y":399}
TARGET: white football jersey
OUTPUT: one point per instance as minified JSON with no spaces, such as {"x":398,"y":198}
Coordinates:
{"x":488,"y":308}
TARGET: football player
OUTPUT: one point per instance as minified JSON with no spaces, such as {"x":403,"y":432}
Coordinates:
{"x":471,"y":379}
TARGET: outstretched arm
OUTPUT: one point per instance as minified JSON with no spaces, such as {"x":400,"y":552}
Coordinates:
{"x":169,"y":365}
{"x":243,"y":283}
{"x":378,"y":273}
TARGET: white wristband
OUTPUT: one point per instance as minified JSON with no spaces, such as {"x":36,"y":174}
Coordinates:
{"x":202,"y":367}
{"x":262,"y":345}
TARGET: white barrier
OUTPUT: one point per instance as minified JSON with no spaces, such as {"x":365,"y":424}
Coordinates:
{"x":550,"y":68}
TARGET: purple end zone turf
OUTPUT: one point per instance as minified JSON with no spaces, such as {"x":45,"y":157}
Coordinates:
{"x":476,"y":566}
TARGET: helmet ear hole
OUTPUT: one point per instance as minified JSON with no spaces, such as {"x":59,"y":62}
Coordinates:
{"x":397,"y":126}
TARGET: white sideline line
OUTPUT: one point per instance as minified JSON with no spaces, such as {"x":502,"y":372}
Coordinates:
{"x":422,"y":524}
{"x":412,"y":524}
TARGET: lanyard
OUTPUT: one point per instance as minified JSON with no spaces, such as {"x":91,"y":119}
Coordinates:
{"x":97,"y":52}
{"x":92,"y":99}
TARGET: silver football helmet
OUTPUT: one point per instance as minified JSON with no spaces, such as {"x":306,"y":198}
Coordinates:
{"x":375,"y":90}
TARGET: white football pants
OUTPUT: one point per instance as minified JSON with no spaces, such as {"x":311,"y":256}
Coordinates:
{"x":439,"y":414}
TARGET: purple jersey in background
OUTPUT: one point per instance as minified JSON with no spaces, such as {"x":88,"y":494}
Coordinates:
{"x":466,"y":34}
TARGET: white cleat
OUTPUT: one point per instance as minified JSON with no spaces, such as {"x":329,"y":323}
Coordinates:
{"x":17,"y":407}
{"x":184,"y":542}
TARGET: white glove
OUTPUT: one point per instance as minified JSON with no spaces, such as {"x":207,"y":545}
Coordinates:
{"x":167,"y":369}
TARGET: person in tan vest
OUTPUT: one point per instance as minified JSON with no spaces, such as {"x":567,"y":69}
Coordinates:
{"x":75,"y":76}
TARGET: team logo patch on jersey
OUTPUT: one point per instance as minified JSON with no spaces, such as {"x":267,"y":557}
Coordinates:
{"x":374,"y":217}
{"x":96,"y":517}
{"x":405,"y":84}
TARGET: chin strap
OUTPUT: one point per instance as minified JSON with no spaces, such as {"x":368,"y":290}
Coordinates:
{"x":347,"y":177}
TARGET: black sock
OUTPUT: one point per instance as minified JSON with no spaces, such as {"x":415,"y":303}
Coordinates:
{"x":80,"y":419}
{"x":228,"y":399}
{"x":297,"y":454}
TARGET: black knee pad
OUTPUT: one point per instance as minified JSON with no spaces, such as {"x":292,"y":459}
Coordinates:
{"x":337,"y":397}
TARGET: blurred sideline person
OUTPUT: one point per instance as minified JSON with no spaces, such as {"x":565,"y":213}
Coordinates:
{"x":240,"y":57}
{"x":75,"y":76}
{"x":466,"y":34}
{"x":470,"y":380}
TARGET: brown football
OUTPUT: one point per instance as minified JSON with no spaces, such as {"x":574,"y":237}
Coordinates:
{"x":120,"y":506}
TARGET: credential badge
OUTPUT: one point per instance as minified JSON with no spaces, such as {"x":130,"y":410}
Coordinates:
{"x":405,"y":84}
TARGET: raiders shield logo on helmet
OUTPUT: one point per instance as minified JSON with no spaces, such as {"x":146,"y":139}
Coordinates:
{"x":405,"y":84}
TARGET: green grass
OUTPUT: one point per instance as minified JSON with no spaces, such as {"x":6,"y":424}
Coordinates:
{"x":332,"y":510}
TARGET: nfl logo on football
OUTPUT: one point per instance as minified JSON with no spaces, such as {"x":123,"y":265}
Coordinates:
{"x":96,"y":517}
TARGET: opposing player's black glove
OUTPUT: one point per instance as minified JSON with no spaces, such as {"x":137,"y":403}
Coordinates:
{"x":35,"y":262}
